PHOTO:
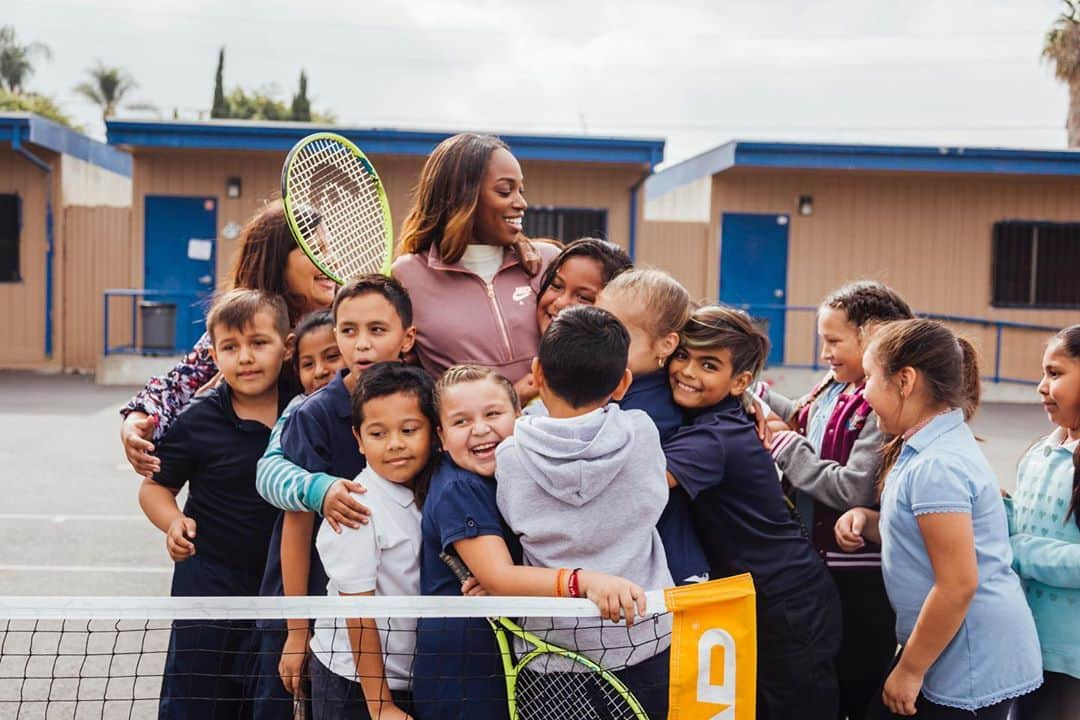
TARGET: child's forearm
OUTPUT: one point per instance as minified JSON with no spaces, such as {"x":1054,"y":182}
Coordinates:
{"x":370,"y":670}
{"x":490,"y":562}
{"x":942,"y":614}
{"x":296,"y":531}
{"x":159,"y":504}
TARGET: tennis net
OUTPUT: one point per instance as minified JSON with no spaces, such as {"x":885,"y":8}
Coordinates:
{"x":221,"y":657}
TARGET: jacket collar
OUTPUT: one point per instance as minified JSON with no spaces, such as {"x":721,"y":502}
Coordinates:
{"x":435,"y":261}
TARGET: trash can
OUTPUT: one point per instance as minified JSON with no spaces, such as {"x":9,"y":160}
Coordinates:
{"x":158,"y":327}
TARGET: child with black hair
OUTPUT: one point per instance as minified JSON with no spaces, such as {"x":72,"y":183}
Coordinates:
{"x":367,"y":669}
{"x":1044,"y":529}
{"x":584,"y":487}
{"x":577,"y":275}
{"x":743,"y":519}
{"x":219,"y":540}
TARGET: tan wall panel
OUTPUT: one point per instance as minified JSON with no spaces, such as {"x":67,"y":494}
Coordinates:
{"x":22,"y":304}
{"x":191,"y":173}
{"x":929,"y":236}
{"x":678,"y":248}
{"x":97,"y":246}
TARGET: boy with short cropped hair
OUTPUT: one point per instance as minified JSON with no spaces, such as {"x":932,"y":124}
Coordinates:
{"x":585,"y":486}
{"x":219,"y":540}
{"x":372,"y":323}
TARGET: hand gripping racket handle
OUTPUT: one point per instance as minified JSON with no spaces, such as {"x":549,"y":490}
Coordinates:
{"x":461,"y":570}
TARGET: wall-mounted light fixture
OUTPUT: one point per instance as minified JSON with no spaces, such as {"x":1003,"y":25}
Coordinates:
{"x":806,"y":205}
{"x":232,"y":187}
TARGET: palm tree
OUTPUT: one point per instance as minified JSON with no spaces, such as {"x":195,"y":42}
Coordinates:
{"x":1062,"y":48}
{"x":17,"y":61}
{"x":107,"y":88}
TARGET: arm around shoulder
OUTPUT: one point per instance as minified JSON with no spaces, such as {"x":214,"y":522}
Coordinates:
{"x":841,"y":487}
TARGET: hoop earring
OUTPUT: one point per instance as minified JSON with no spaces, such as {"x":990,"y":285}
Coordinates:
{"x":660,"y":362}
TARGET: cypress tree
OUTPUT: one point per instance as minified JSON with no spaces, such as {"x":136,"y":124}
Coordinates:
{"x":221,"y":105}
{"x":301,"y":106}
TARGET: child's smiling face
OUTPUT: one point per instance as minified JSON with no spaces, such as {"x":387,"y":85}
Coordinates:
{"x":369,"y":330}
{"x":474,"y":417}
{"x":841,"y":345}
{"x":1060,"y":387}
{"x":578,"y":281}
{"x":703,"y":378}
{"x":395,"y":437}
{"x":318,"y":358}
{"x":250,"y":357}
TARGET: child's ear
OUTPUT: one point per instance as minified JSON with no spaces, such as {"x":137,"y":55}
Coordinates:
{"x":290,"y":346}
{"x":623,"y":386}
{"x":213,"y":354}
{"x":359,"y":441}
{"x":439,"y":432}
{"x":408,"y":341}
{"x":741,"y":382}
{"x":538,"y":373}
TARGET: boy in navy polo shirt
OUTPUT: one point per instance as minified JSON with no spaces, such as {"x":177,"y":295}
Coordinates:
{"x":743,"y":520}
{"x":219,"y":540}
{"x":372,"y":324}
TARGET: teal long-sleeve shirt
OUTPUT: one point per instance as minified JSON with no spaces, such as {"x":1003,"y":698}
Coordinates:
{"x":283,"y":483}
{"x":1046,"y":549}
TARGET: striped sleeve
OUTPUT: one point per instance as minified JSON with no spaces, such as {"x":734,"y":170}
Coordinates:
{"x":283,"y":483}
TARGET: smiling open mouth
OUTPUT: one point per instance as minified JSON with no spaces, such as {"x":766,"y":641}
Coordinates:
{"x":515,"y":222}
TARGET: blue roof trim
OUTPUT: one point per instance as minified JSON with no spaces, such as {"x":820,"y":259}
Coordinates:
{"x":893,"y":158}
{"x":60,"y":139}
{"x":282,"y":136}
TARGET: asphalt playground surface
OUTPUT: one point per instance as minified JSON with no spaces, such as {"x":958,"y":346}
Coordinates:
{"x":70,"y":522}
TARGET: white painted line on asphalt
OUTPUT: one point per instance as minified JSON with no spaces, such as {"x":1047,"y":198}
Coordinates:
{"x":63,"y":517}
{"x":157,"y":569}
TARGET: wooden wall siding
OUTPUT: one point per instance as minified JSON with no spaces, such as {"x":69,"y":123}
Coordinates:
{"x":204,"y":174}
{"x":929,"y":236}
{"x":97,"y":245}
{"x":677,"y":248}
{"x":22,"y":304}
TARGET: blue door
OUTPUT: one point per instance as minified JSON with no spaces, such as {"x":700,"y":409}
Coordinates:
{"x":753,"y":270}
{"x":179,"y":251}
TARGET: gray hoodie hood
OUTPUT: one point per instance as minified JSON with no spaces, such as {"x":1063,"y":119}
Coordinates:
{"x":575,"y":459}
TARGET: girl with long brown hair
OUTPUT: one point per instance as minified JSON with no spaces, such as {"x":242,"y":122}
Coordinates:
{"x":473,"y":277}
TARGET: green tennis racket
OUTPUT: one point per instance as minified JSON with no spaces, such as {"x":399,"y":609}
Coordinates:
{"x":337,"y":208}
{"x":589,"y":691}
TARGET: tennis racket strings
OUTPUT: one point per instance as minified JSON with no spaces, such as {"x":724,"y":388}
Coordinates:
{"x":337,"y":207}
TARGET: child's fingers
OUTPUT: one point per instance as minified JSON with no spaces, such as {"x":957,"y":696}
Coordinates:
{"x":629,"y":607}
{"x":333,"y":523}
{"x":355,"y":487}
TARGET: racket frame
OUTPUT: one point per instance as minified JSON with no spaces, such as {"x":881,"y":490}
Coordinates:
{"x":290,"y":216}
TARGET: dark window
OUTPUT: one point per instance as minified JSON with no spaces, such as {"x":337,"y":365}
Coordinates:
{"x":10,"y":223}
{"x":1035,"y":264}
{"x":565,"y":224}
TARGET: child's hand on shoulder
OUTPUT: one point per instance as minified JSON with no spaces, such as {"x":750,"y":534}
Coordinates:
{"x":615,"y":596}
{"x":341,"y":508}
{"x":179,"y":538}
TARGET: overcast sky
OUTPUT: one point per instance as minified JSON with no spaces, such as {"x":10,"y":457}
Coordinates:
{"x":957,"y":72}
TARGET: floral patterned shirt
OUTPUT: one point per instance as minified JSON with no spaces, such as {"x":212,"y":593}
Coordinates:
{"x":166,"y":395}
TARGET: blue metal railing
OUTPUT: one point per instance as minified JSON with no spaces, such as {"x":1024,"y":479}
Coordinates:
{"x":136,"y":296}
{"x":999,"y":327}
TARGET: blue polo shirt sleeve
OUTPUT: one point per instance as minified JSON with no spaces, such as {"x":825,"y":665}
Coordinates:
{"x":178,"y":453}
{"x":467,"y":509}
{"x":938,"y":487}
{"x":305,"y":441}
{"x":696,"y":457}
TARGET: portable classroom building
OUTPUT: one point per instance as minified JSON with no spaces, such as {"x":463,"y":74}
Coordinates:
{"x":64,"y":205}
{"x":989,"y":238}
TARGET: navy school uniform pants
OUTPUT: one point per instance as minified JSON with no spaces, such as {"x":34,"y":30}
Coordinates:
{"x":336,"y":698}
{"x":209,"y":666}
{"x":868,"y":639}
{"x":798,"y":639}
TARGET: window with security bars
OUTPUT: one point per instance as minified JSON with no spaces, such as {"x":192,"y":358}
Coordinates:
{"x":565,"y":224}
{"x":1034,"y":264}
{"x":10,"y":222}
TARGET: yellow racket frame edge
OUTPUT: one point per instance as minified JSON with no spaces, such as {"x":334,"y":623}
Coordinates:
{"x":294,"y":227}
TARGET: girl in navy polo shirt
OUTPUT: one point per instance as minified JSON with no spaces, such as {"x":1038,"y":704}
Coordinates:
{"x":653,"y":307}
{"x":743,"y":519}
{"x":458,"y":671}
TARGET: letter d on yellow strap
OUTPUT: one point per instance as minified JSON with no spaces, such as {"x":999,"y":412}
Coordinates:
{"x":713,"y":650}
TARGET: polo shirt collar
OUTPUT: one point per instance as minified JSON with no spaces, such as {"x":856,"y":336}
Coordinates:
{"x":400,"y":494}
{"x":935,"y":428}
{"x":1057,"y":441}
{"x":340,"y":399}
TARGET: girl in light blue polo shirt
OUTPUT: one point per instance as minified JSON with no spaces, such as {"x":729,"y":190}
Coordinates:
{"x":1044,"y":522}
{"x":969,"y":646}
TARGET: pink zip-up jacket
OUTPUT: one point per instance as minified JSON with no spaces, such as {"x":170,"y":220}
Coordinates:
{"x":460,"y":318}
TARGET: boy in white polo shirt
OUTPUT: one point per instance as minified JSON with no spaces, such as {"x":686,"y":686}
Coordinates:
{"x":362,"y":666}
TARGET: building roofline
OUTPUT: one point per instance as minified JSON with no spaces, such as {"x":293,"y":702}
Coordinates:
{"x":280,"y":136}
{"x":888,"y":158}
{"x":51,"y":135}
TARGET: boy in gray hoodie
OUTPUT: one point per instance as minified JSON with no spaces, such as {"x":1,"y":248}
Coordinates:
{"x":585,"y":486}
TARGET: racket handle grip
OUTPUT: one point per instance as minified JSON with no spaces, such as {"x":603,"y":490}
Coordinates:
{"x":461,"y":570}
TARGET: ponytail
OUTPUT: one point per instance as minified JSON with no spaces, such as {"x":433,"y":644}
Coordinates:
{"x":1074,"y":504}
{"x":970,"y":386}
